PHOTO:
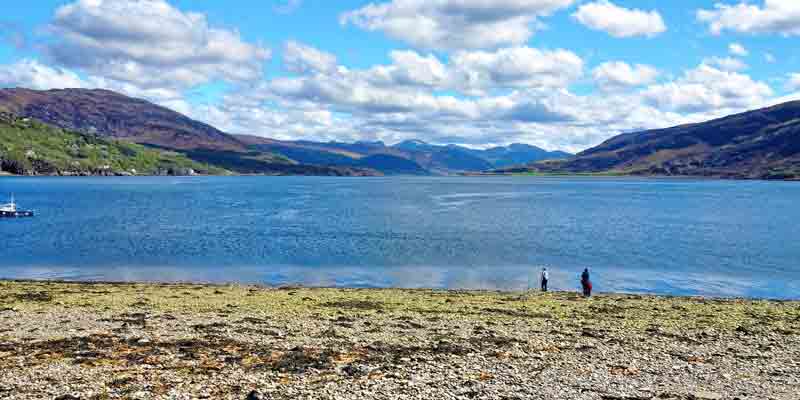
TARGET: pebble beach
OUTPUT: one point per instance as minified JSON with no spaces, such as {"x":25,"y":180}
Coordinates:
{"x":189,"y":341}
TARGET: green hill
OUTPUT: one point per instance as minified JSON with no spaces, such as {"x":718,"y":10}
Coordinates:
{"x":29,"y":147}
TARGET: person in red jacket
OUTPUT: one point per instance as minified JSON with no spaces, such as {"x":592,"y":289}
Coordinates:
{"x":586,"y":283}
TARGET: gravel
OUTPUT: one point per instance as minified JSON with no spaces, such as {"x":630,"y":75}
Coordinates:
{"x":158,"y":341}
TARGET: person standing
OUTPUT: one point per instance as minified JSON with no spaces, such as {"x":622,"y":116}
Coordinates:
{"x":586,"y":283}
{"x":545,"y":278}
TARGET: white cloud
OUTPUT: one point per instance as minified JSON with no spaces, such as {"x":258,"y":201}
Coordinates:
{"x":770,"y":58}
{"x":402,"y":101}
{"x":472,"y":73}
{"x":620,"y":22}
{"x":150,"y":44}
{"x":726,"y":63}
{"x":738,"y":50}
{"x":517,"y":67}
{"x":705,"y":89}
{"x":455,"y":24}
{"x":794,"y":82}
{"x":774,"y":16}
{"x":302,"y":59}
{"x":399,"y":101}
{"x":620,"y":75}
{"x":409,"y":68}
{"x":32,"y":74}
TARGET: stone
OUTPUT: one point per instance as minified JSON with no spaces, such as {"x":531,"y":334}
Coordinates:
{"x":705,"y":396}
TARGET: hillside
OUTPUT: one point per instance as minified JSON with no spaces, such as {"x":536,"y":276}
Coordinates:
{"x":106,"y":114}
{"x":111,"y":114}
{"x":28,"y":147}
{"x":759,"y":144}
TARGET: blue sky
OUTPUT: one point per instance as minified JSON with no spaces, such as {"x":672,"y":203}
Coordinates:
{"x":563,"y":74}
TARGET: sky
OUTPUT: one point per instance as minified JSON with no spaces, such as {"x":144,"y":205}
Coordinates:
{"x":559,"y":74}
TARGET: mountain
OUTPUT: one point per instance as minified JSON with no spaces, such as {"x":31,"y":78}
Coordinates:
{"x":459,"y":158}
{"x":368,"y":155}
{"x":759,"y":144}
{"x":415,"y":145}
{"x":111,"y":114}
{"x":519,"y":154}
{"x":392,"y":165}
{"x":29,"y":147}
{"x":430,"y":158}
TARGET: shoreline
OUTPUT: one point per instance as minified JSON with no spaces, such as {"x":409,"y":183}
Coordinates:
{"x":220,"y":341}
{"x":460,"y":175}
{"x":266,"y":286}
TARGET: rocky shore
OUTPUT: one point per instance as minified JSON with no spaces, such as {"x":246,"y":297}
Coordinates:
{"x":157,"y":341}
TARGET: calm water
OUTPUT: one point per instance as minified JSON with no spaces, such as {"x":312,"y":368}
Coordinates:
{"x":663,"y":236}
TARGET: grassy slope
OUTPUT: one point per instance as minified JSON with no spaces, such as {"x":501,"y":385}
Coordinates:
{"x":36,"y":147}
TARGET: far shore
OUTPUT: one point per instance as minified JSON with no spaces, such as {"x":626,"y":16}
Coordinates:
{"x":463,"y":175}
{"x":72,"y":340}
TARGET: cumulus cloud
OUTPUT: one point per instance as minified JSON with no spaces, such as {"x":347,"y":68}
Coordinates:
{"x":302,"y":59}
{"x":620,"y":22}
{"x":620,"y":75}
{"x":726,"y":63}
{"x":517,"y":67}
{"x":150,"y":44}
{"x":773,"y":16}
{"x":409,"y":68}
{"x":34,"y":75}
{"x":522,"y":99}
{"x":537,"y":111}
{"x":455,"y":24}
{"x":707,"y":88}
{"x":472,"y":73}
{"x":738,"y":50}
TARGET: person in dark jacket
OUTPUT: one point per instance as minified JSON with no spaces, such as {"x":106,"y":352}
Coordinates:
{"x":586,"y":283}
{"x":545,"y":277}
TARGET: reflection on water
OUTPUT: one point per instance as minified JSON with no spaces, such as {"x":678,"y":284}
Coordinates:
{"x":637,"y":235}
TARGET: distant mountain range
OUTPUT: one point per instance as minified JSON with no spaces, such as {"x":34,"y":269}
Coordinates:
{"x":408,"y":157}
{"x":759,"y":144}
{"x":107,"y":114}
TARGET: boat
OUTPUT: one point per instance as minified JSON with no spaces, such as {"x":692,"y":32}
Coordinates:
{"x":10,"y":210}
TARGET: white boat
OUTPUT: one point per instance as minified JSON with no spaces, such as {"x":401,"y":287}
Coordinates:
{"x":10,"y":210}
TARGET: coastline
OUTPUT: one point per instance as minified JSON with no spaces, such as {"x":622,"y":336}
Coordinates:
{"x":149,"y":340}
{"x":461,"y":175}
